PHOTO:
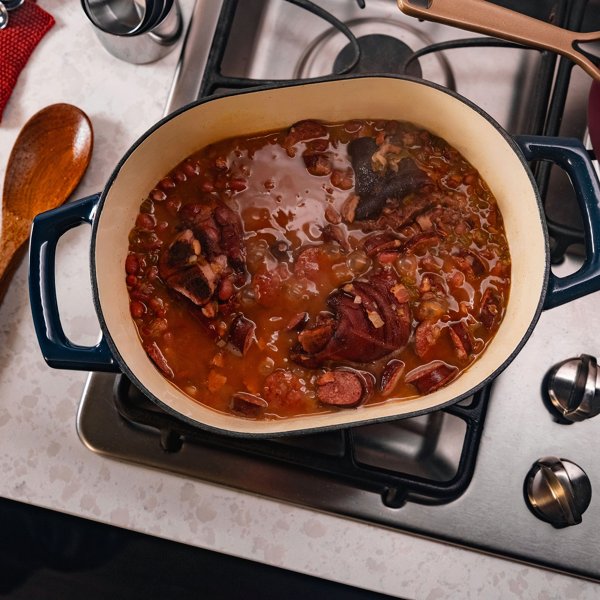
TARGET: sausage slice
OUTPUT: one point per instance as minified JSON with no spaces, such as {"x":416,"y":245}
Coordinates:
{"x":343,"y":388}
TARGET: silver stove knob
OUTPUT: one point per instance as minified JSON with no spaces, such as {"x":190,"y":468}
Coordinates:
{"x":572,"y":388}
{"x":557,"y":491}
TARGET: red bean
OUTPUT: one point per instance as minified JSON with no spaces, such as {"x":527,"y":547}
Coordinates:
{"x":145,"y":221}
{"x":131,"y":280}
{"x":470,"y":178}
{"x":157,"y":306}
{"x":167,"y":183}
{"x":180,"y":176}
{"x":342,"y":180}
{"x":237,"y":184}
{"x":138,"y":309}
{"x":353,"y":126}
{"x":208,"y":186}
{"x":191,"y":168}
{"x":158,"y":195}
{"x":132,"y":264}
{"x":147,"y":206}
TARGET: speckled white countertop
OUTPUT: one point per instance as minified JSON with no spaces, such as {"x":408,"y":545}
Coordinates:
{"x":42,"y":460}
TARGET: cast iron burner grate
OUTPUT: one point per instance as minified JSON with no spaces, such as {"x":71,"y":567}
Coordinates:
{"x":378,"y":54}
{"x":333,"y":454}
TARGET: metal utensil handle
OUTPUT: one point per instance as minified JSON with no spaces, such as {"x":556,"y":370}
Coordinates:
{"x":571,"y":155}
{"x":58,"y":351}
{"x":491,"y":19}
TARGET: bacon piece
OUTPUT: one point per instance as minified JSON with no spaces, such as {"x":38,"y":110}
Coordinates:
{"x":400,"y":293}
{"x":424,"y":221}
{"x":431,"y":377}
{"x":381,"y":242}
{"x":388,"y":242}
{"x":427,"y":238}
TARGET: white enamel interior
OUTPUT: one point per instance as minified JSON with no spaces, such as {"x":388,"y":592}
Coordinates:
{"x":373,"y":97}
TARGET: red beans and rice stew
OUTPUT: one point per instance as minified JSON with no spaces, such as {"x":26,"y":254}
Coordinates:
{"x":320,"y":267}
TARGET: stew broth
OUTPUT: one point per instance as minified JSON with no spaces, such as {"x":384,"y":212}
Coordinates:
{"x":318,"y":267}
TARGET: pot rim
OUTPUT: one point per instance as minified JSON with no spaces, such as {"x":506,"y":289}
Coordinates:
{"x":368,"y":421}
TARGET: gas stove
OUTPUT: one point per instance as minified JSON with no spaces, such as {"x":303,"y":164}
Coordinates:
{"x":509,"y":471}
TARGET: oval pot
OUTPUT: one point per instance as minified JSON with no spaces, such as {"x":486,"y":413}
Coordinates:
{"x":500,"y":160}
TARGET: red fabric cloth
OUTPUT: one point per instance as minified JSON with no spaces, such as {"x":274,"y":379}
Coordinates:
{"x":27,"y":25}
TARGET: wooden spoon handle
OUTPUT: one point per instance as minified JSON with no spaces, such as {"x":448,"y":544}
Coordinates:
{"x":491,"y":19}
{"x":12,"y":249}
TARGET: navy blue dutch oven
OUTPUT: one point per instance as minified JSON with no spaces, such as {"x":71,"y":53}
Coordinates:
{"x":501,"y":160}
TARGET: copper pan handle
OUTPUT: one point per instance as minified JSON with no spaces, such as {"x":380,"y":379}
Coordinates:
{"x":490,"y":19}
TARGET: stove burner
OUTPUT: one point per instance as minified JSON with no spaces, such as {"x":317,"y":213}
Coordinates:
{"x":379,"y":54}
{"x":384,"y":43}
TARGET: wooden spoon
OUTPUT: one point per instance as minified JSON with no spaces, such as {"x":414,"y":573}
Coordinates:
{"x":47,"y":162}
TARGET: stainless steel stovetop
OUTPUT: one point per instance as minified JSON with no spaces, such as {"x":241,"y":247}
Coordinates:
{"x":274,"y":39}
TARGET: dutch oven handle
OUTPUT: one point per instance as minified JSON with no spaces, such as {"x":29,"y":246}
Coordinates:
{"x":571,"y":155}
{"x":59,"y":352}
